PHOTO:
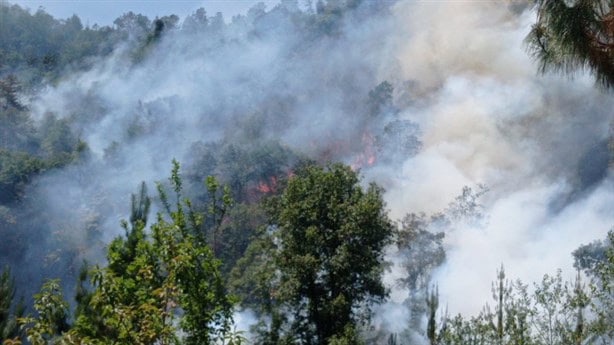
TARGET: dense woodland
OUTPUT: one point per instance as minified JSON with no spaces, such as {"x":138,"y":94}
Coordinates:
{"x":247,"y":222}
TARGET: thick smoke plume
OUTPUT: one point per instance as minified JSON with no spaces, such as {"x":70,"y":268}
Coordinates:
{"x":465,"y":92}
{"x":488,"y":118}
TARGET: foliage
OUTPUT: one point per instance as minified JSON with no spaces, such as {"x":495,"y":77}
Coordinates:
{"x":552,"y":314}
{"x":256,"y":281}
{"x":349,"y":337}
{"x":56,"y":135}
{"x":16,"y":170}
{"x":419,"y":241}
{"x":380,"y":99}
{"x":332,"y":236}
{"x":421,"y":250}
{"x":52,"y":315}
{"x":249,"y":170}
{"x":574,"y":35}
{"x":602,"y":290}
{"x":16,"y":127}
{"x":398,"y":140}
{"x":36,"y":46}
{"x":237,"y":232}
{"x":132,"y":24}
{"x":26,"y":150}
{"x":590,"y":256}
{"x":157,"y":284}
{"x":9,"y":311}
{"x":432,"y":303}
{"x":235,"y":337}
{"x":254,"y":277}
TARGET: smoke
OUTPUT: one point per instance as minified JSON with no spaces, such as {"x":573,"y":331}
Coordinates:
{"x":459,"y":73}
{"x":267,"y":76}
{"x":243,"y":321}
{"x":488,"y":118}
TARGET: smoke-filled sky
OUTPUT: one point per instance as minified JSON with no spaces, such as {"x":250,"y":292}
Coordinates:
{"x":459,"y":72}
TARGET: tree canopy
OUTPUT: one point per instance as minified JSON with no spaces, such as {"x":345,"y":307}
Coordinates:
{"x":332,"y":235}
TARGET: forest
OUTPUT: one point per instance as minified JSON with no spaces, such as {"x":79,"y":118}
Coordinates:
{"x":338,"y":172}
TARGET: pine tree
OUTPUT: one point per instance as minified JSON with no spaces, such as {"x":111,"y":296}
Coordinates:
{"x":432,"y":303}
{"x":572,"y":35}
{"x":500,"y":293}
{"x":158,"y":286}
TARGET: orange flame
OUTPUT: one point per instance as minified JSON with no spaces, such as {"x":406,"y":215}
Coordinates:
{"x":367,"y":156}
{"x":267,"y":186}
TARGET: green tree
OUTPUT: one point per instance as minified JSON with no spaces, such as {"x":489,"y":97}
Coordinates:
{"x":256,"y":280}
{"x":432,"y":303}
{"x":195,"y":22}
{"x":36,"y":46}
{"x":549,"y":320}
{"x":237,"y":232}
{"x":420,"y":244}
{"x":16,"y":170}
{"x":518,"y":310}
{"x":9,"y":311}
{"x":577,"y":302}
{"x":56,"y":135}
{"x":332,"y":235}
{"x":133,"y":24}
{"x":380,"y":99}
{"x":553,"y":314}
{"x":602,"y":291}
{"x":501,"y":292}
{"x":50,"y":324}
{"x":158,"y":285}
{"x":422,"y":251}
{"x":16,"y":128}
{"x":571,"y":35}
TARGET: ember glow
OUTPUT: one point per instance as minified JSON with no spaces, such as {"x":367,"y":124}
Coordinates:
{"x":267,"y":186}
{"x":368,"y":155}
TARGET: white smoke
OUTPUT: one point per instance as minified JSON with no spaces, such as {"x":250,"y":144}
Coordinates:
{"x":489,"y":118}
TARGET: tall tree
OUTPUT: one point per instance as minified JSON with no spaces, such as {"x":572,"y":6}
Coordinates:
{"x":332,"y":236}
{"x":571,"y":35}
{"x":16,"y":128}
{"x":432,"y":303}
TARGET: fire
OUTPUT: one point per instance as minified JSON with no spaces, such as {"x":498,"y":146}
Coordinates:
{"x":367,"y":156}
{"x":267,"y":186}
{"x":335,"y":149}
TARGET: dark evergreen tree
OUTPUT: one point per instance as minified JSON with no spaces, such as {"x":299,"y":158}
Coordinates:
{"x":432,"y":304}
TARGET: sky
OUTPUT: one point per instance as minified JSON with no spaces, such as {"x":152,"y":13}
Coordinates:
{"x":103,"y":12}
